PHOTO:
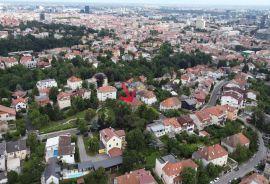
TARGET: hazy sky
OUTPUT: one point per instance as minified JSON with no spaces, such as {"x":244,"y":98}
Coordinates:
{"x":180,"y":2}
{"x":191,"y":2}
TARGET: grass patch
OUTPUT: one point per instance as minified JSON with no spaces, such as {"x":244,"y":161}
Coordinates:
{"x":65,"y":124}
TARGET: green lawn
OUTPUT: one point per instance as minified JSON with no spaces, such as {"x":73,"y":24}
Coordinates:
{"x":62,"y":124}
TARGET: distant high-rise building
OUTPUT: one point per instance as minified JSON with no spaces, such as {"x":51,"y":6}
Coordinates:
{"x":264,"y":21}
{"x":86,"y":9}
{"x":42,"y":16}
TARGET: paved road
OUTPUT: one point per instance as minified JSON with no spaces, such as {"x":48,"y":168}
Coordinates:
{"x":248,"y":166}
{"x":215,"y":93}
{"x":83,"y":155}
{"x":71,"y":131}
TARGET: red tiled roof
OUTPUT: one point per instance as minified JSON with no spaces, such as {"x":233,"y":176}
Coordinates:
{"x":106,"y":89}
{"x":171,"y":122}
{"x":254,"y":179}
{"x":18,"y":100}
{"x":114,"y":152}
{"x":212,"y":152}
{"x":74,"y":79}
{"x":8,"y":110}
{"x":108,"y":133}
{"x":172,"y":169}
{"x":171,"y":102}
{"x":63,"y":95}
{"x":236,"y":139}
{"x":136,"y":177}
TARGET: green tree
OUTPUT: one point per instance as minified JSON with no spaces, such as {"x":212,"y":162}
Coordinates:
{"x":89,"y":114}
{"x":148,"y":113}
{"x":135,"y":140}
{"x":188,"y":176}
{"x":93,"y":144}
{"x":82,"y":126}
{"x":53,"y":94}
{"x":12,"y":177}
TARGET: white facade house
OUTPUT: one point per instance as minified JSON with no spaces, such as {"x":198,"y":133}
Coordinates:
{"x":19,"y":104}
{"x":147,"y":97}
{"x":63,"y":100}
{"x":74,"y":83}
{"x":106,"y":92}
{"x":48,"y":83}
{"x":215,"y":154}
{"x":233,"y":141}
{"x":7,"y":114}
{"x":168,"y":168}
{"x":158,"y":129}
{"x":233,"y":99}
{"x":28,"y":61}
{"x":60,"y":147}
{"x":112,"y":139}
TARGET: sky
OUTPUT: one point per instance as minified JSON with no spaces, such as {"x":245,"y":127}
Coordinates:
{"x":179,"y":2}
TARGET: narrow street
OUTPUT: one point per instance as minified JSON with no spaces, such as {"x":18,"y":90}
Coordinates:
{"x":248,"y":166}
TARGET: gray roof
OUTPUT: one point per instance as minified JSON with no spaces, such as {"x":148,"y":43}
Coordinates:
{"x":190,"y":101}
{"x":157,"y":126}
{"x":52,"y":169}
{"x":108,"y":163}
{"x":2,"y":148}
{"x":169,"y":158}
{"x":85,"y":165}
{"x":14,"y":146}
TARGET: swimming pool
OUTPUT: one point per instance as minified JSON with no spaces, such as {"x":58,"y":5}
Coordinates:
{"x":74,"y":175}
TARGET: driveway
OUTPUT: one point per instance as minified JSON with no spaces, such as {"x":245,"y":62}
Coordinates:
{"x":249,"y":165}
{"x":84,"y":157}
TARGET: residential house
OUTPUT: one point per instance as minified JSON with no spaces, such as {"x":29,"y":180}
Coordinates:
{"x":106,"y":92}
{"x":201,"y":119}
{"x":51,"y":173}
{"x":19,"y":104}
{"x":233,"y":99}
{"x":61,"y":148}
{"x":7,"y":114}
{"x":215,"y":154}
{"x":169,"y":169}
{"x":28,"y":61}
{"x":140,"y":176}
{"x":171,"y":125}
{"x":15,"y":152}
{"x":170,"y":104}
{"x":147,"y":97}
{"x":83,"y":93}
{"x":186,"y":123}
{"x":232,"y":112}
{"x":185,"y":79}
{"x":233,"y":141}
{"x":157,"y":128}
{"x":217,"y":113}
{"x":9,"y":61}
{"x":74,"y":83}
{"x":255,"y":178}
{"x":113,"y":141}
{"x":63,"y":100}
{"x":200,"y":96}
{"x":47,"y":83}
{"x":42,"y":100}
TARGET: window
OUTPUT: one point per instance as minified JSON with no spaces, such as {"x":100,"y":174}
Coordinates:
{"x":110,"y":145}
{"x":113,"y":139}
{"x":116,"y":144}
